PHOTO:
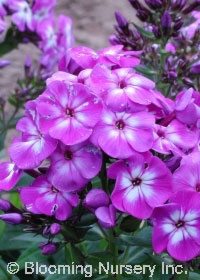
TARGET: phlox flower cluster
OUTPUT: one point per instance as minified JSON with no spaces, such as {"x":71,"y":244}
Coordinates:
{"x":98,"y":112}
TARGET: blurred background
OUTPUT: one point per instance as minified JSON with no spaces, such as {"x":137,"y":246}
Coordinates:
{"x":93,"y":22}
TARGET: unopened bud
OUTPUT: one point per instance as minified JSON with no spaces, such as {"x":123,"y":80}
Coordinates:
{"x":12,"y":218}
{"x":49,"y":249}
{"x":55,"y":228}
{"x":166,"y":21}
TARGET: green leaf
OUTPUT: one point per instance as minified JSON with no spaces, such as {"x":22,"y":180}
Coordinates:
{"x":25,"y":180}
{"x":96,"y":182}
{"x":130,"y":224}
{"x":87,"y":220}
{"x":10,"y":42}
{"x":144,"y":32}
{"x":73,"y":254}
{"x":4,"y":275}
{"x":95,"y":258}
{"x":31,"y":254}
{"x":145,"y":70}
{"x":93,"y":234}
{"x":9,"y":240}
{"x":138,"y":255}
{"x":194,"y":276}
{"x":143,"y":238}
{"x":15,"y":199}
{"x":2,"y":139}
{"x":2,"y":228}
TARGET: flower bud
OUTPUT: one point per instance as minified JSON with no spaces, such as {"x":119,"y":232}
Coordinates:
{"x":191,"y":7}
{"x":154,"y":4}
{"x":178,"y":4}
{"x":142,"y":14}
{"x":45,"y":230}
{"x":135,"y":4}
{"x":122,"y":22}
{"x":49,"y":249}
{"x":195,"y":69}
{"x":5,"y":205}
{"x":188,"y":82}
{"x":172,"y":75}
{"x":96,"y":198}
{"x":178,"y":24}
{"x":156,"y":32}
{"x":55,"y":228}
{"x":114,"y":40}
{"x":12,"y":218}
{"x":4,"y":63}
{"x":166,"y":21}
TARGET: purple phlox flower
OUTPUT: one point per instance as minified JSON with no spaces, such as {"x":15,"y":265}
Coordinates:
{"x":84,"y":77}
{"x":68,"y":112}
{"x":121,"y":134}
{"x":141,"y":186}
{"x":33,"y":147}
{"x":189,"y":30}
{"x":3,"y":4}
{"x":47,"y":32}
{"x":115,"y":55}
{"x":173,"y":138}
{"x":173,"y":163}
{"x":48,"y":60}
{"x":42,"y":9}
{"x":122,"y":89}
{"x":9,"y":175}
{"x":44,"y":198}
{"x":121,"y":165}
{"x":22,"y":14}
{"x":62,"y":76}
{"x":187,"y":106}
{"x":54,"y":40}
{"x":170,"y":47}
{"x":65,"y":38}
{"x":86,"y":58}
{"x":177,"y":226}
{"x":187,"y":176}
{"x":106,"y":216}
{"x":96,"y":198}
{"x":161,"y":106}
{"x":67,"y":64}
{"x":73,"y":166}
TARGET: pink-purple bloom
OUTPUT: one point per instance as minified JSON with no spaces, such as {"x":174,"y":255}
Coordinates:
{"x":96,"y":198}
{"x":22,"y":14}
{"x":122,"y":89}
{"x":121,"y":134}
{"x":142,"y":184}
{"x":68,"y":112}
{"x":187,"y":176}
{"x":173,"y":138}
{"x":9,"y":175}
{"x":106,"y":216}
{"x":33,"y":146}
{"x":73,"y":166}
{"x":44,"y":198}
{"x":177,"y":226}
